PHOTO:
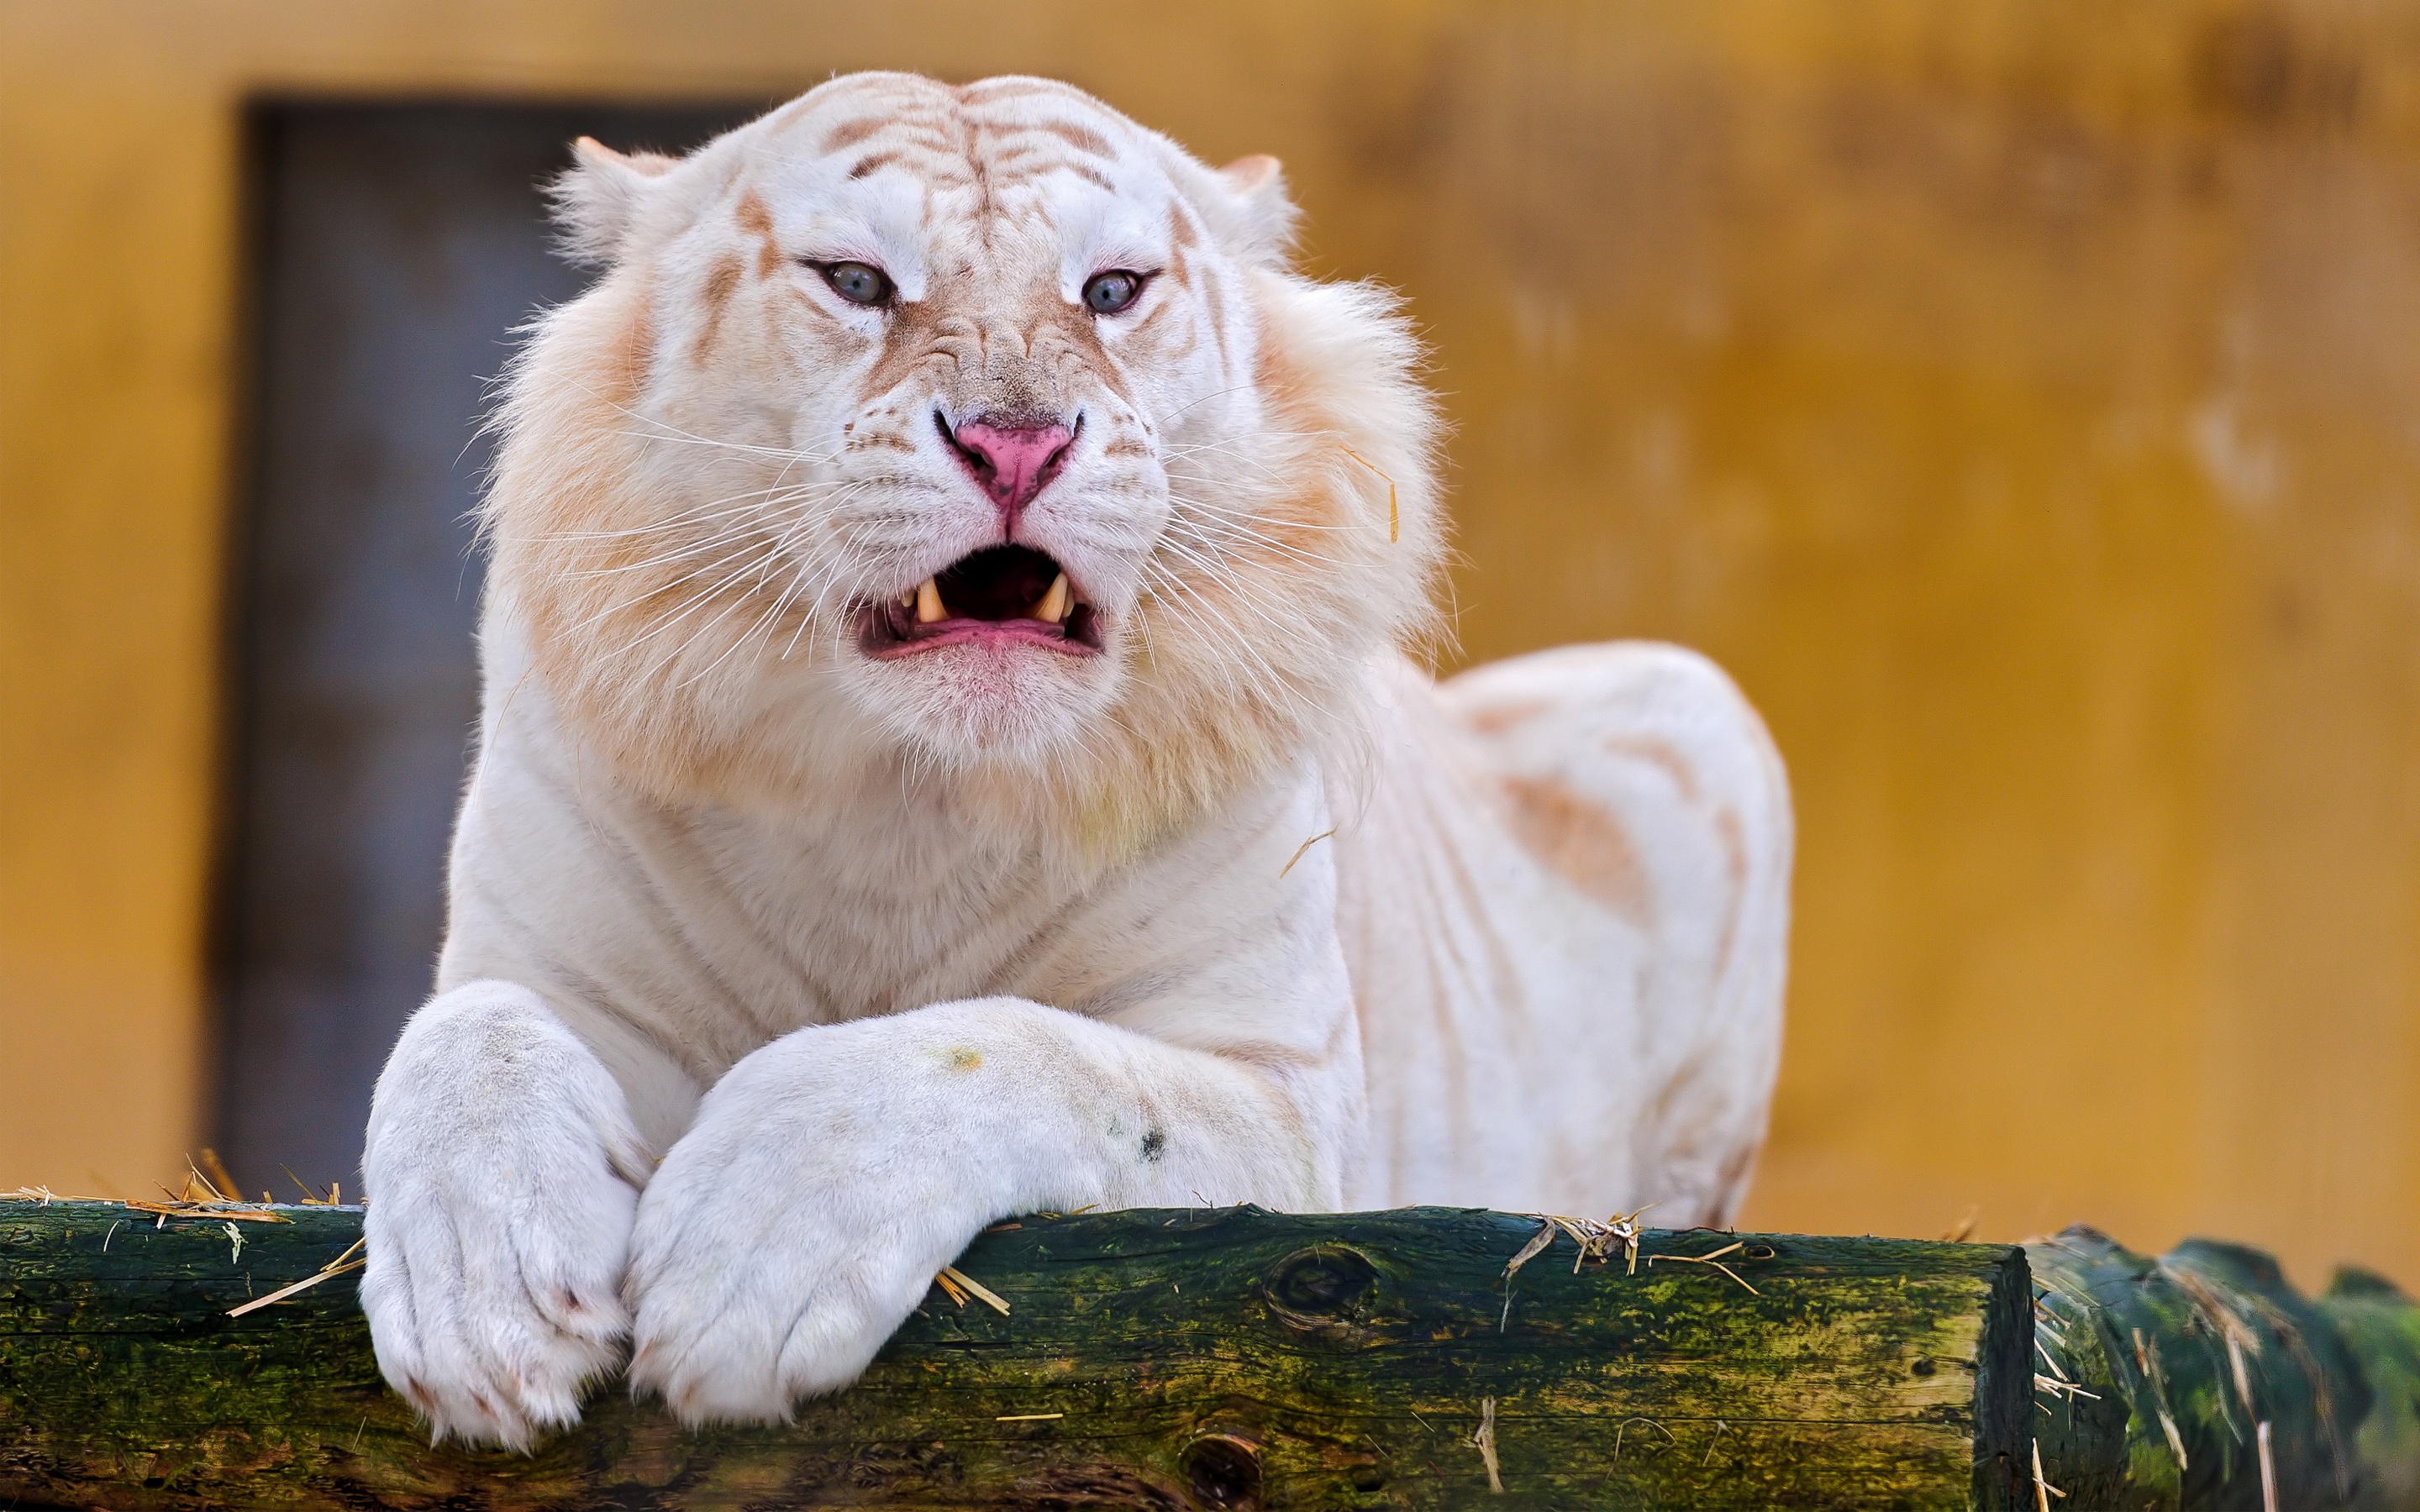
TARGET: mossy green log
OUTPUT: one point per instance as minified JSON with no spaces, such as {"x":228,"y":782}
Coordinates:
{"x":1149,"y":1358}
{"x":2165,"y":1382}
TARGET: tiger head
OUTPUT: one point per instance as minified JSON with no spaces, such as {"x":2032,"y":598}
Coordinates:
{"x":974,"y":430}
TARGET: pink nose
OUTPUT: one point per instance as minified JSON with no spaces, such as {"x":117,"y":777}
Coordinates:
{"x":1012,"y":462}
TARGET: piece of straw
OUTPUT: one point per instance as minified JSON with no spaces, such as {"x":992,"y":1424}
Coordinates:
{"x":1484,"y":1441}
{"x":335,"y":1267}
{"x":2062,"y":1388}
{"x":2043,"y":1490}
{"x":950,"y":1273}
{"x":1538,"y":1241}
{"x":216,"y":1170}
{"x":1659,"y":1427}
{"x":1302,"y":850}
{"x":207,"y":1209}
{"x":1394,"y":516}
{"x":1597,"y":1241}
{"x":1715,"y":1258}
{"x":2267,"y":1473}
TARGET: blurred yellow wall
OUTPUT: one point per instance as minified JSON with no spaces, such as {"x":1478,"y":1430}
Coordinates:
{"x":2021,"y":398}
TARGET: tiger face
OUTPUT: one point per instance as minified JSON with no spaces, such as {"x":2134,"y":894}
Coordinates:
{"x":975,"y":427}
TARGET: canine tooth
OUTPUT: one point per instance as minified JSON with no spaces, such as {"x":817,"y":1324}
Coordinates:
{"x":929,"y":603}
{"x":1053,"y":606}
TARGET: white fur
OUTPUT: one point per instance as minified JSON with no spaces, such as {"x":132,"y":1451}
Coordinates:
{"x":871,"y":954}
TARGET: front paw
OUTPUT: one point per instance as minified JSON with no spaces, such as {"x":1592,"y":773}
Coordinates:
{"x":785,"y":1239}
{"x":503,"y":1177}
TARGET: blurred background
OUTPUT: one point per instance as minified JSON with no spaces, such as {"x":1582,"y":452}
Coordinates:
{"x":2022,"y":400}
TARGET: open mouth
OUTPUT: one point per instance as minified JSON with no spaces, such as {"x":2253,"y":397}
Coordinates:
{"x":1001,"y":592}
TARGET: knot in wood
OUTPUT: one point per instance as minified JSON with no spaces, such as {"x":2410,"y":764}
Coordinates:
{"x":1223,"y":1471}
{"x":1326,"y":1283}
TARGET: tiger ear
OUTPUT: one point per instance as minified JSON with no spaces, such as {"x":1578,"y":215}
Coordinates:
{"x":598,"y":200}
{"x":1262,"y":216}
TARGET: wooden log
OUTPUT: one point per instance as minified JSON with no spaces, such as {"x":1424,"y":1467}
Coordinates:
{"x":2200,"y":1380}
{"x":2380,"y":1326}
{"x":1190,"y":1359}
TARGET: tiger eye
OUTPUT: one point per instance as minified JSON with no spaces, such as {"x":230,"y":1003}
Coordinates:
{"x":858,"y":283}
{"x":1108,"y":293}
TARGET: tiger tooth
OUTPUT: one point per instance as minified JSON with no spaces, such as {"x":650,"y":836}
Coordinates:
{"x":929,"y":608}
{"x":1053,"y":606}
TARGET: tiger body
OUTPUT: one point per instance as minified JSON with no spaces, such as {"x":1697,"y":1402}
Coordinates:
{"x":947,"y":752}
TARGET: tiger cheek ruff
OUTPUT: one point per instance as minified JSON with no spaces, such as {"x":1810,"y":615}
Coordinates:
{"x":950,"y":750}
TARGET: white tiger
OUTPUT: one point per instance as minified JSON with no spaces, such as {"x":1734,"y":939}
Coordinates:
{"x":947,"y":753}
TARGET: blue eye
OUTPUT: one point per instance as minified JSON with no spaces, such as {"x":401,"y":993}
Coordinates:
{"x":858,"y":283}
{"x":1108,"y":293}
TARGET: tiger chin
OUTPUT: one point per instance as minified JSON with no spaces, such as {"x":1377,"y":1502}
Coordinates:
{"x":948,"y":749}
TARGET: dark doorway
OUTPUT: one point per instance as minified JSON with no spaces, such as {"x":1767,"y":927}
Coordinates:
{"x":398,"y":247}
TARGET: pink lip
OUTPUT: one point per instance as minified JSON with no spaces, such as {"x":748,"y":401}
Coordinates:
{"x":982,"y":632}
